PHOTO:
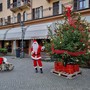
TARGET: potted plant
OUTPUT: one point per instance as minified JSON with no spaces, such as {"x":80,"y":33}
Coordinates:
{"x":3,"y":51}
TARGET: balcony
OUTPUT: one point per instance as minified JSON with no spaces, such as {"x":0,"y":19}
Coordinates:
{"x":50,"y":0}
{"x":14,"y":7}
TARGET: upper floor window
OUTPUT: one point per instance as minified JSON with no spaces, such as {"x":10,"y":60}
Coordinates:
{"x":37,"y":13}
{"x":24,"y":16}
{"x":1,"y":21}
{"x":55,"y":8}
{"x":8,"y":3}
{"x":80,"y":4}
{"x":18,"y":3}
{"x":9,"y":19}
{"x":25,"y":1}
{"x":1,"y":6}
{"x":18,"y":17}
{"x":14,"y":3}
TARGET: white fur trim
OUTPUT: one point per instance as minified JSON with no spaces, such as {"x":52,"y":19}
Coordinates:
{"x":35,"y":58}
{"x":35,"y":67}
{"x":43,"y":47}
{"x":40,"y":67}
{"x":4,"y":59}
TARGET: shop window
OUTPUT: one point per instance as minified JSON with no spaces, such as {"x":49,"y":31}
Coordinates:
{"x":8,"y":46}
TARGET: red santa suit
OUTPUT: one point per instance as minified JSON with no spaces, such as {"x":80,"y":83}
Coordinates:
{"x":35,"y":54}
{"x":1,"y":60}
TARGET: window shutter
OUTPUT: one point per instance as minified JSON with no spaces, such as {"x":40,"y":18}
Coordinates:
{"x":33,"y":13}
{"x":0,"y":6}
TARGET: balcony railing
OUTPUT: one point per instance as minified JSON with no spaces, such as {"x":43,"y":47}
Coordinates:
{"x":50,"y":0}
{"x":19,"y":5}
{"x":45,"y":13}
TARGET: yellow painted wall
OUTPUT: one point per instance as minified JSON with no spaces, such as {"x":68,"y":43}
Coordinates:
{"x":35,"y":3}
{"x":6,"y":12}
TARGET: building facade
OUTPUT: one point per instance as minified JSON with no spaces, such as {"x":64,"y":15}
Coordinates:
{"x":36,"y":16}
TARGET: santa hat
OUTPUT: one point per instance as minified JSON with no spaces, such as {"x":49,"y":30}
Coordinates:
{"x":34,"y":40}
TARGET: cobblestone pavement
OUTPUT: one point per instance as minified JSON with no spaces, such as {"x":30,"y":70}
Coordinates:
{"x":23,"y":77}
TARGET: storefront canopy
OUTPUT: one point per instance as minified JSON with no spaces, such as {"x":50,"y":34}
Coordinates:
{"x":15,"y":33}
{"x":39,"y":31}
{"x":3,"y":33}
{"x":87,"y":18}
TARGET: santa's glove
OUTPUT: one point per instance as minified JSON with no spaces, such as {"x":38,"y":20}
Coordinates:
{"x":32,"y":52}
{"x":43,"y":47}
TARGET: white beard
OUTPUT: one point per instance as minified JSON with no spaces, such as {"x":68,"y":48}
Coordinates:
{"x":35,"y":47}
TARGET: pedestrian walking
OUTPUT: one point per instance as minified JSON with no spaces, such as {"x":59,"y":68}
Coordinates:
{"x":36,"y":56}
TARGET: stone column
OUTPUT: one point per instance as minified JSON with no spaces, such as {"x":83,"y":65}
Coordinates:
{"x":14,"y":47}
{"x":30,"y":41}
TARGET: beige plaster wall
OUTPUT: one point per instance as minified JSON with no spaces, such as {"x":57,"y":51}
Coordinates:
{"x":6,"y":12}
{"x":35,"y":3}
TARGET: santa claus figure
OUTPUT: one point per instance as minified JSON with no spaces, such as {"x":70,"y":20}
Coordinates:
{"x":36,"y":56}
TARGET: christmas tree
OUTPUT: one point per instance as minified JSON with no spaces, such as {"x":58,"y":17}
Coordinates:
{"x":70,"y":41}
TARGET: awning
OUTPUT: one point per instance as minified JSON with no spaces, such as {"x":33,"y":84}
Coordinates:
{"x":87,"y":18}
{"x":39,"y":31}
{"x":3,"y":34}
{"x":14,"y":34}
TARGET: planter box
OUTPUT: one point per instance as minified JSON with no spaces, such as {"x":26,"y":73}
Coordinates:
{"x":76,"y":68}
{"x":1,"y":60}
{"x":58,"y":66}
{"x":69,"y":68}
{"x":3,"y":54}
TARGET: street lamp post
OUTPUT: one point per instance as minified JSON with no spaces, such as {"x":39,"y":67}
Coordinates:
{"x":22,"y":43}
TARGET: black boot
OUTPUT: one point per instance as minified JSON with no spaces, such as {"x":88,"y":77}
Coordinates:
{"x":36,"y":70}
{"x":41,"y":71}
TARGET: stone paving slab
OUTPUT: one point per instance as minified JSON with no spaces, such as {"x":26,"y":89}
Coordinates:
{"x":23,"y":77}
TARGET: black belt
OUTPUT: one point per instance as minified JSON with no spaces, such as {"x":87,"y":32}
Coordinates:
{"x":36,"y":54}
